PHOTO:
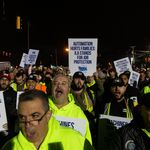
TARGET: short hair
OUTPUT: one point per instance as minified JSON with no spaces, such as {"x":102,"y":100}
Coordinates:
{"x":18,"y":74}
{"x":31,"y":95}
{"x":61,"y":75}
{"x":126,"y":73}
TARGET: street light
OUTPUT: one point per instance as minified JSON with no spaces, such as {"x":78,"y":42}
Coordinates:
{"x":66,"y":55}
{"x":67,"y":49}
{"x":132,"y":58}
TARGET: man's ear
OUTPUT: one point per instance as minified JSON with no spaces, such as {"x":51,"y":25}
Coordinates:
{"x":49,"y":114}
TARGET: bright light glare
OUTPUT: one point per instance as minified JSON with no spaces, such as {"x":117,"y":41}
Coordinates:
{"x":67,"y":49}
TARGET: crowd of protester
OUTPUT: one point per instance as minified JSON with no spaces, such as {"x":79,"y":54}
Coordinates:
{"x":71,"y":107}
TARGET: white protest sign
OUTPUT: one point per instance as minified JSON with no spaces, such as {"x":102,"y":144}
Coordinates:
{"x":3,"y":118}
{"x":134,"y":78}
{"x":122,"y":65}
{"x":23,"y":60}
{"x":17,"y":101}
{"x":117,"y":121}
{"x":32,"y":56}
{"x":82,"y":55}
{"x":77,"y":124}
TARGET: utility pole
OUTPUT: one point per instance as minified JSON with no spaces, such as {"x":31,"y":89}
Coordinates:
{"x":28,"y":34}
{"x":3,"y":12}
{"x":133,"y":53}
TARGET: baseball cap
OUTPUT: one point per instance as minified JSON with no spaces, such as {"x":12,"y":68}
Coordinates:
{"x":80,"y":75}
{"x":31,"y":77}
{"x":145,"y":100}
{"x":5,"y":75}
{"x":117,"y":82}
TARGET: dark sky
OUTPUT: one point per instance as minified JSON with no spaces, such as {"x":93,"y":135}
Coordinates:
{"x":116,"y":25}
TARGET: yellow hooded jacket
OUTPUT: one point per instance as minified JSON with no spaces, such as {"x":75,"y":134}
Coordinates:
{"x":59,"y":138}
{"x":72,"y":116}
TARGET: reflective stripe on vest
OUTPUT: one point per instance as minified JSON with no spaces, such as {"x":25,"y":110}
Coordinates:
{"x":88,"y":102}
{"x":146,"y":132}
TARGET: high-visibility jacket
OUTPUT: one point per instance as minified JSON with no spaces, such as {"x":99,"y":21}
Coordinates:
{"x":128,"y":111}
{"x":14,"y":86}
{"x":146,"y":132}
{"x":91,"y":84}
{"x":88,"y":98}
{"x":41,"y":86}
{"x":89,"y":103}
{"x":72,"y":116}
{"x":146,"y":89}
{"x":58,"y":137}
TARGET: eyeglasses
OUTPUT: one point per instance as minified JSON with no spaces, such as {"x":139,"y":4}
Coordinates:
{"x":33,"y":122}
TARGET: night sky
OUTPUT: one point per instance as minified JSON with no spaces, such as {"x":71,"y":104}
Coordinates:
{"x":116,"y":25}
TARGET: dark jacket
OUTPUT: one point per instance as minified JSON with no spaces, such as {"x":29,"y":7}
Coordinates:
{"x":131,"y":137}
{"x":10,"y":97}
{"x":133,"y":92}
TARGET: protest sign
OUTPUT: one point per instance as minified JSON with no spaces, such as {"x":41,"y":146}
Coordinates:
{"x":23,"y":60}
{"x":75,"y":123}
{"x":134,"y":78}
{"x":17,"y":101}
{"x":3,"y":118}
{"x":117,"y":121}
{"x":32,"y":56}
{"x":82,"y":55}
{"x":122,"y":65}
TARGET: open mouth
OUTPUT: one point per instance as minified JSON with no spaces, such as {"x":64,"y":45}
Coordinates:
{"x":59,"y":92}
{"x":30,"y":135}
{"x":117,"y":94}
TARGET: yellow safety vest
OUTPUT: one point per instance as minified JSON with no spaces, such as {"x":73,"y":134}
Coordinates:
{"x":14,"y":86}
{"x":91,"y":84}
{"x":72,"y":116}
{"x":146,"y":89}
{"x":58,"y":137}
{"x":128,"y":113}
{"x":146,"y":132}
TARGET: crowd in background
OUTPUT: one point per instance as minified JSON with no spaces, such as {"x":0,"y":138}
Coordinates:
{"x":84,"y":98}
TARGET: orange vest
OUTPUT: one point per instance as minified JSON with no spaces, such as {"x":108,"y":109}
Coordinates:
{"x":41,"y":87}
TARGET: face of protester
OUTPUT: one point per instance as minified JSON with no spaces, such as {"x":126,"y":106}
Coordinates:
{"x":31,"y":84}
{"x":145,"y":112}
{"x":60,"y":90}
{"x":4,"y":83}
{"x":125,"y":79}
{"x":79,"y":83}
{"x":112,"y":74}
{"x":90,"y":79}
{"x":148,"y":73}
{"x":19,"y":80}
{"x":142,"y":76}
{"x":38,"y":78}
{"x":33,"y":120}
{"x":118,"y":91}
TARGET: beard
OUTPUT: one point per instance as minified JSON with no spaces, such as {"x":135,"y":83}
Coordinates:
{"x":77,"y":87}
{"x":4,"y":87}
